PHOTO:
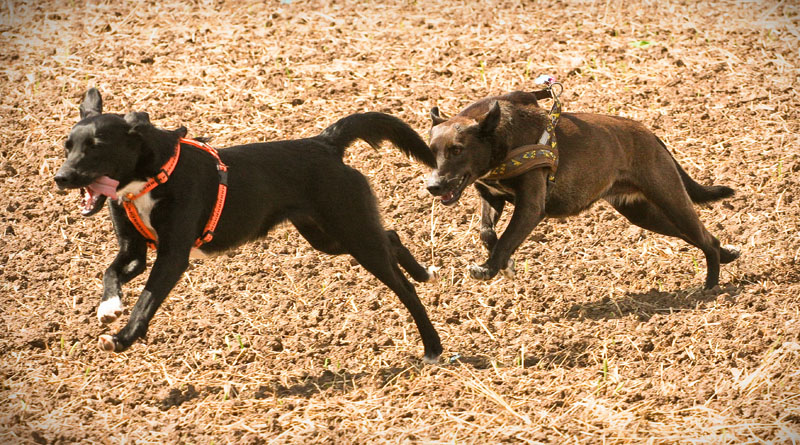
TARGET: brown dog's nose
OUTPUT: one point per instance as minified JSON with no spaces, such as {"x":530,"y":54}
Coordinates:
{"x":434,"y":184}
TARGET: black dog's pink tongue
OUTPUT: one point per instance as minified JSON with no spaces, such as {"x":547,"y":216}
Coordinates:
{"x":104,"y":186}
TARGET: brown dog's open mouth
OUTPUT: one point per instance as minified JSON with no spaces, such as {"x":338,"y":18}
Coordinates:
{"x":94,"y":195}
{"x":451,"y":196}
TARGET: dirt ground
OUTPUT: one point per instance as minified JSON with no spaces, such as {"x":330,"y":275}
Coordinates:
{"x":605,"y":336}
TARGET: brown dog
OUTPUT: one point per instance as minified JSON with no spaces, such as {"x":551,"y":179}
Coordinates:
{"x":600,"y":157}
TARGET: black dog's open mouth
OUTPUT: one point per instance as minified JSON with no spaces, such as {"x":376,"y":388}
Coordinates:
{"x":92,"y":201}
{"x":93,"y":194}
{"x":451,"y":196}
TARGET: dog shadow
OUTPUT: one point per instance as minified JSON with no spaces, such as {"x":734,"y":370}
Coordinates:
{"x":644,"y":305}
{"x":340,"y":382}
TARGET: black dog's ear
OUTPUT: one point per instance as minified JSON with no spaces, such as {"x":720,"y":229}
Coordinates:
{"x":437,"y":118}
{"x":180,"y":131}
{"x":92,"y":104}
{"x":135,"y":118}
{"x":490,"y":121}
{"x":138,"y":120}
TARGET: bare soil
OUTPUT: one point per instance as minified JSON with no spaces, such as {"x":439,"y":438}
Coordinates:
{"x":605,"y":336}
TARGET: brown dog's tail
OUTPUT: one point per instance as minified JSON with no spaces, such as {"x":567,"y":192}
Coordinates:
{"x":374,"y":128}
{"x":699,"y":193}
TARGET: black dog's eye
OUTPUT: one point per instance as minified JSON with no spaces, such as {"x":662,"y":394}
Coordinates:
{"x":68,"y":145}
{"x":455,"y":150}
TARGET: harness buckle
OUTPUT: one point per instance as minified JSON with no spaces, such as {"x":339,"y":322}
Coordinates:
{"x":223,"y":175}
{"x":161,"y":177}
{"x":207,"y":236}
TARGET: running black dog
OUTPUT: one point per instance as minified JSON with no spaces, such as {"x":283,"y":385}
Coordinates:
{"x":182,"y":197}
{"x":599,"y":157}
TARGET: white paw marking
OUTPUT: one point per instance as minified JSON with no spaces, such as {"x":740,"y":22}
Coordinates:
{"x":109,"y":310}
{"x":106,"y":343}
{"x":433,"y":272}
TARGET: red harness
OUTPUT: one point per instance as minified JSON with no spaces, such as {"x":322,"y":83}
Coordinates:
{"x":162,"y":177}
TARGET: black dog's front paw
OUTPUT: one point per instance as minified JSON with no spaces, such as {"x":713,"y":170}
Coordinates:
{"x":109,"y":343}
{"x":481,"y":272}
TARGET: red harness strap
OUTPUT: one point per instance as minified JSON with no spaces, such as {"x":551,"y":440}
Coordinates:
{"x":162,"y":177}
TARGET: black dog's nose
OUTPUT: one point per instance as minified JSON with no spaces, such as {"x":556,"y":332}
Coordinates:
{"x":63,"y":179}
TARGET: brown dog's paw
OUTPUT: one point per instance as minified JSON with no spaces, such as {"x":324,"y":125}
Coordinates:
{"x":510,"y":271}
{"x":728,"y":253}
{"x":479,"y":272}
{"x":109,"y":310}
{"x":107,"y":343}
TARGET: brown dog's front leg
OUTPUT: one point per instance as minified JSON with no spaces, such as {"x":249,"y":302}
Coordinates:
{"x":528,"y":212}
{"x":491,"y":209}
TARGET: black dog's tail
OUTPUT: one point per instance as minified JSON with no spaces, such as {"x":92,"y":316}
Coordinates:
{"x":699,"y":193}
{"x":374,"y":128}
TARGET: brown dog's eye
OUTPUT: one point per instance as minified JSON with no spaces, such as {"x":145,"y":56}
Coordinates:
{"x":455,"y":150}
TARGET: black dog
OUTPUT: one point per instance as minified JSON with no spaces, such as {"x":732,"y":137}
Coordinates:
{"x":303,"y":181}
{"x":599,"y":157}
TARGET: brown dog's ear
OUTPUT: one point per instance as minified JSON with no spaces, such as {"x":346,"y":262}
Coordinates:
{"x":92,"y":104}
{"x":437,"y":118}
{"x":490,"y":121}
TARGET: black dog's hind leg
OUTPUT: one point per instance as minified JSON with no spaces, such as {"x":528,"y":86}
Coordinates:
{"x":130,"y":261}
{"x":528,"y":212}
{"x":366,"y":240}
{"x":316,"y":236}
{"x":324,"y":243}
{"x":377,"y":259}
{"x":417,"y":271}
